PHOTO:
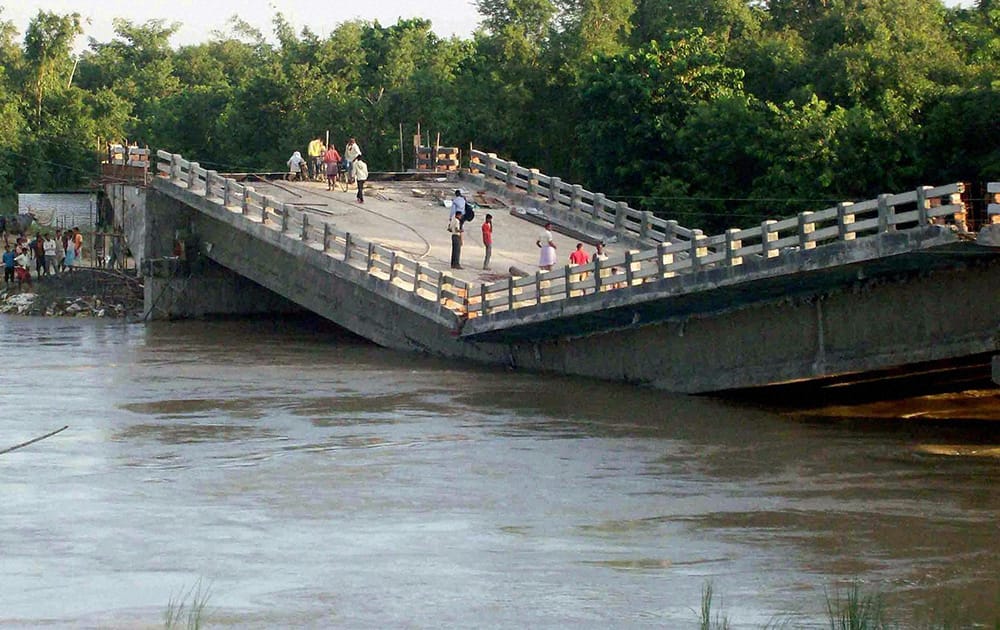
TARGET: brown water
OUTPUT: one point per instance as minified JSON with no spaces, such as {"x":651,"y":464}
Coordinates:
{"x":312,"y":480}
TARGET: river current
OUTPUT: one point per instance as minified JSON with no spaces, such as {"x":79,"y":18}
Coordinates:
{"x":304,"y":478}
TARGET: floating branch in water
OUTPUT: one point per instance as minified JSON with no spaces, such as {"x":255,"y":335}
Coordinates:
{"x":37,"y":439}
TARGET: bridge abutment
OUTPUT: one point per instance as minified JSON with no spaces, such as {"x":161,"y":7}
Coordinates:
{"x":180,"y":279}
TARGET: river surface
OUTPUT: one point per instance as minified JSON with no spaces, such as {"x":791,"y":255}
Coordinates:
{"x":309,"y":479}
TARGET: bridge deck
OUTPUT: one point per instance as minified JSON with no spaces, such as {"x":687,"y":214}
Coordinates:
{"x":844,"y":290}
{"x":393,"y":215}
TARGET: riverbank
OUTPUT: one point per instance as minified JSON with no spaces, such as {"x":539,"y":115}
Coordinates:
{"x":81,"y":293}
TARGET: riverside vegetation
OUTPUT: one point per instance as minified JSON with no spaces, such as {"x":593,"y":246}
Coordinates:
{"x":712,"y":112}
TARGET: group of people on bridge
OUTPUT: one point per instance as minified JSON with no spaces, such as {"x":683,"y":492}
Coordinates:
{"x":462,"y":211}
{"x":325,"y":161}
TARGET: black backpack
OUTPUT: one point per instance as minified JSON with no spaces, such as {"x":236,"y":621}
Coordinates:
{"x":470,"y":212}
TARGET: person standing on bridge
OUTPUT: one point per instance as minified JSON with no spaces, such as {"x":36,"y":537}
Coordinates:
{"x":331,"y":160}
{"x":547,"y":258}
{"x":351,"y":152}
{"x":359,"y":173}
{"x":488,"y":240}
{"x":316,"y":151}
{"x":458,"y":204}
{"x":455,"y":227}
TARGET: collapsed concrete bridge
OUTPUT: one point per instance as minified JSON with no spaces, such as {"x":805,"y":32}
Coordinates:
{"x":856,"y":292}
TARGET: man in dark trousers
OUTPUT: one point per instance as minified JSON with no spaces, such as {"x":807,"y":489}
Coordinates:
{"x":455,"y":227}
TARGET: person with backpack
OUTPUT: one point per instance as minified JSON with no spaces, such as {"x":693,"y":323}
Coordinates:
{"x":458,"y":207}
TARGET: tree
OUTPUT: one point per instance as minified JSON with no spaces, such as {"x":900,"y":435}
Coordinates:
{"x":47,"y":45}
{"x":639,"y":102}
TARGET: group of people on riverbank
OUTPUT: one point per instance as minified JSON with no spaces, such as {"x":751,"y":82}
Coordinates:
{"x":347,"y":168}
{"x":48,"y":254}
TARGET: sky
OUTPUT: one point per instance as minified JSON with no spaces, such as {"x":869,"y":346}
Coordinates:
{"x":199,"y":18}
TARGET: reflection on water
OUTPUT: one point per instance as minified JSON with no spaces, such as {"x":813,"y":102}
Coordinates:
{"x":315,"y":480}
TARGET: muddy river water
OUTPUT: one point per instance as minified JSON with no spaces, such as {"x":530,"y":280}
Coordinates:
{"x":309,"y":479}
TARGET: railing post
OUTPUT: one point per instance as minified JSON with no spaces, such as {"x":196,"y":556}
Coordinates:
{"x":646,"y":225}
{"x":491,"y":166}
{"x":209,"y":178}
{"x":629,"y":274}
{"x":733,"y":244}
{"x":621,"y":209}
{"x":806,"y":227}
{"x":567,"y":283}
{"x":511,"y":173}
{"x":510,"y":293}
{"x":305,"y":228}
{"x":597,"y":274}
{"x":416,"y":277}
{"x":538,"y":287}
{"x":371,"y":257}
{"x":844,"y":220}
{"x":246,"y":200}
{"x":886,"y":214}
{"x":575,"y":197}
{"x":532,"y":181}
{"x":696,"y":250}
{"x":482,"y":300}
{"x":175,"y":166}
{"x":227,"y":195}
{"x":392,"y":266}
{"x":326,"y":237}
{"x":595,"y":210}
{"x":440,"y":289}
{"x":192,"y":176}
{"x":555,"y":186}
{"x":473,"y":163}
{"x":284,"y":217}
{"x":263,"y":209}
{"x":663,"y":260}
{"x":347,"y":247}
{"x":671,"y":230}
{"x":923,"y":205}
{"x":767,"y":238}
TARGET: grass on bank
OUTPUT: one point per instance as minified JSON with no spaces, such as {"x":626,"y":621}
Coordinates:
{"x":186,"y":610}
{"x":851,"y":609}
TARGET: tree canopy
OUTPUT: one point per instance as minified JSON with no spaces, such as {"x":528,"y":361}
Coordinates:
{"x":712,"y":112}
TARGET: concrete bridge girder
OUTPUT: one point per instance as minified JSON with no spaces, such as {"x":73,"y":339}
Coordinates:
{"x":722,"y":338}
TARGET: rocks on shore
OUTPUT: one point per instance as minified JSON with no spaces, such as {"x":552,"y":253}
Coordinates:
{"x":14,"y":303}
{"x":82,"y":293}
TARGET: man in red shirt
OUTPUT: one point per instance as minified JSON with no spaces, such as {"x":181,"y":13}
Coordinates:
{"x":488,"y":239}
{"x":579,"y":257}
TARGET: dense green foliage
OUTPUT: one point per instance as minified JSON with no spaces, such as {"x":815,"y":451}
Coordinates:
{"x":712,"y":112}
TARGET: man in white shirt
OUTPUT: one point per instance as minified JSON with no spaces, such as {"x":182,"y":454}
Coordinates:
{"x":359,"y":173}
{"x":351,"y":152}
{"x":455,"y":227}
{"x":49,"y":246}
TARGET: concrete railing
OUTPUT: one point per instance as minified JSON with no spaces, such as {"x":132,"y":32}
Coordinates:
{"x":379,"y":262}
{"x":771,"y":239}
{"x":844,"y":222}
{"x":993,"y":207}
{"x":614,"y":216}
